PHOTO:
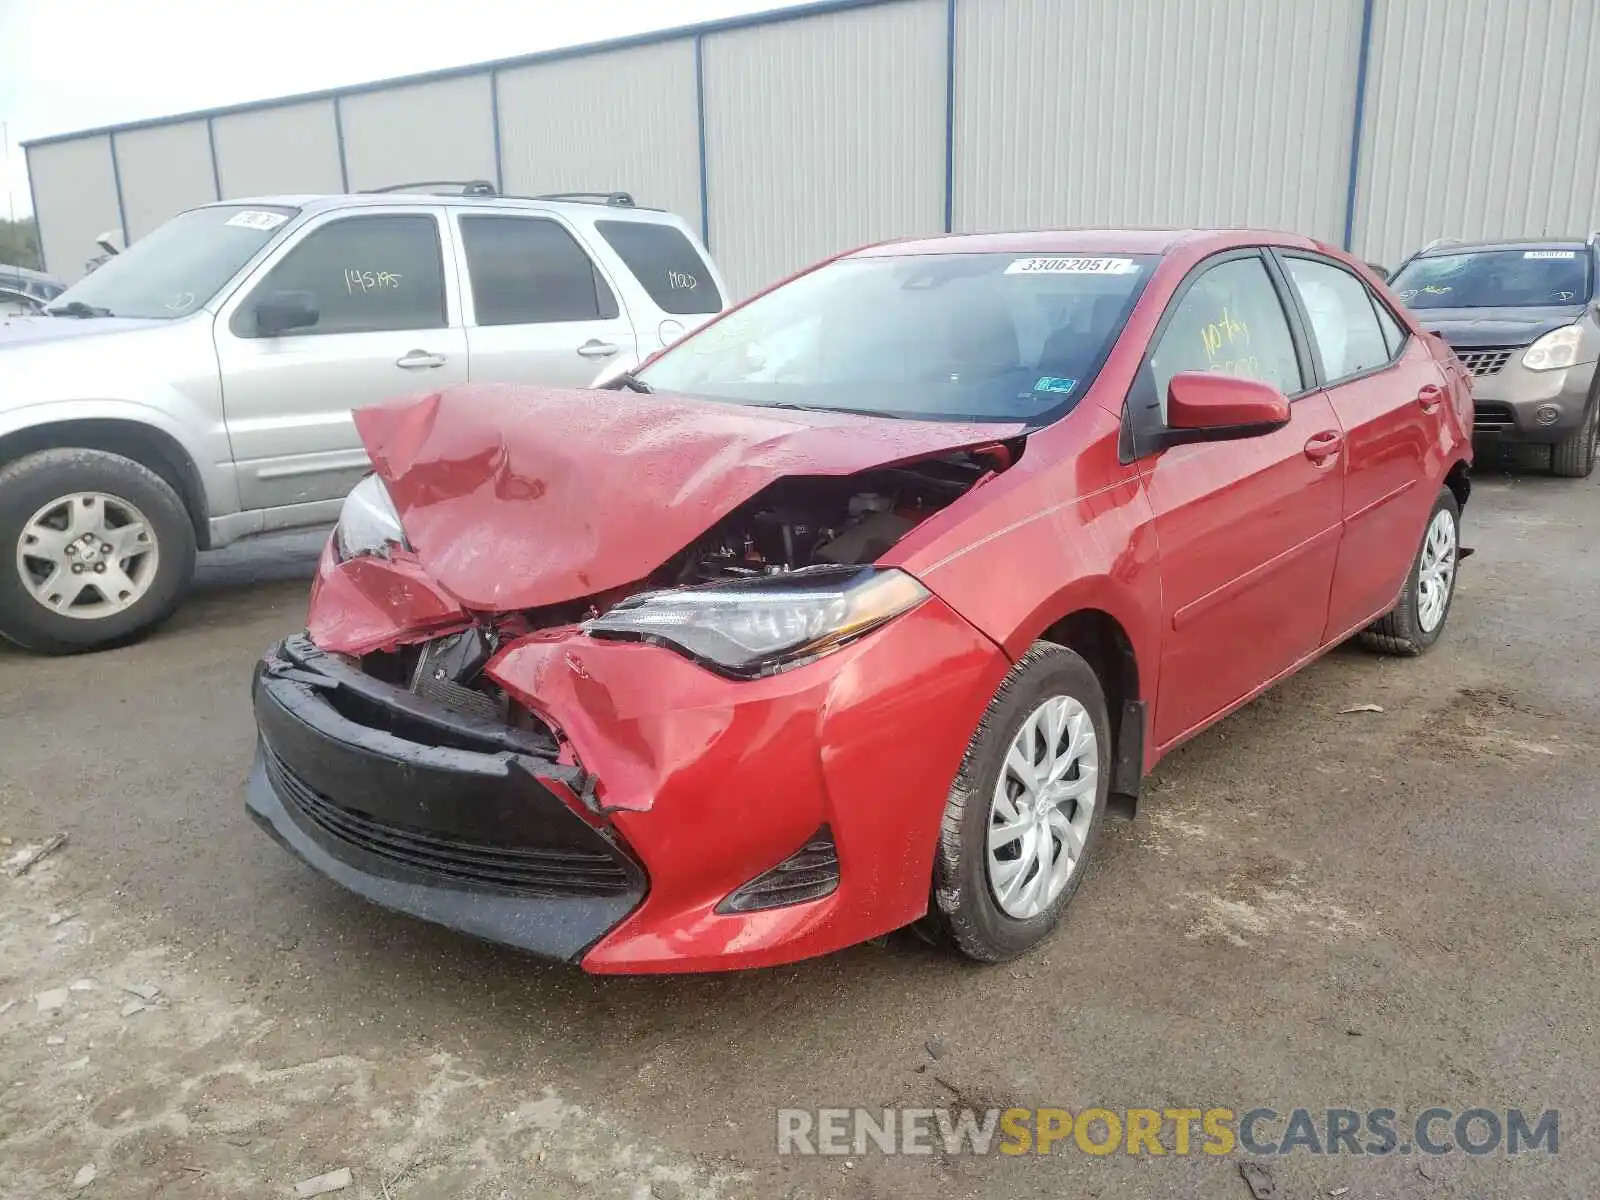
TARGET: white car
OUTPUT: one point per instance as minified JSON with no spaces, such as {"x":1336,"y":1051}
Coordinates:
{"x":196,"y":389}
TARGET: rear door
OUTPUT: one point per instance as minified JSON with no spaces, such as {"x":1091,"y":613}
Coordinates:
{"x":386,"y":326}
{"x":1389,"y":396}
{"x":539,"y":309}
{"x":1248,"y":530}
{"x":679,"y":289}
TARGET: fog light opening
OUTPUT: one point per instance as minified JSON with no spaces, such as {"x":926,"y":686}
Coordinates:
{"x":1547,"y":414}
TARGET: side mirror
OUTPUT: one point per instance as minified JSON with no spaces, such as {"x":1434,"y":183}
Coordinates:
{"x":1380,"y":271}
{"x":1203,"y":406}
{"x":277,"y":312}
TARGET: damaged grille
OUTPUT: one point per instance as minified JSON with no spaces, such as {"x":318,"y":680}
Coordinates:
{"x":810,"y":873}
{"x":527,"y":870}
{"x":1484,"y":362}
{"x":435,"y":678}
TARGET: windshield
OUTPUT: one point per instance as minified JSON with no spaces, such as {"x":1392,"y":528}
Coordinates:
{"x":975,"y":337}
{"x":178,"y":267}
{"x":1495,"y":279}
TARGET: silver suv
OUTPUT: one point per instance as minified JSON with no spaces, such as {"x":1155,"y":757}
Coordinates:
{"x":197,"y":388}
{"x":1524,"y":318}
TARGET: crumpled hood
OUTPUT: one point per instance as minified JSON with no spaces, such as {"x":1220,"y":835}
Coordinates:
{"x":519,"y":497}
{"x":1466,"y":328}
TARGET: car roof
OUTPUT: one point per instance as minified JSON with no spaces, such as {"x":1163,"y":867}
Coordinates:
{"x":1089,"y":241}
{"x":312,"y":204}
{"x":1574,"y":243}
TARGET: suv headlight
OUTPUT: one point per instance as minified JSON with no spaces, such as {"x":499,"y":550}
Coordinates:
{"x":1558,"y":348}
{"x":757,"y":626}
{"x":368,"y":523}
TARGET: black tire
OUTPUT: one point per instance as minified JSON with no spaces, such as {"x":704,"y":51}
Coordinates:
{"x":964,"y":911}
{"x":1573,"y":456}
{"x":29,"y":484}
{"x":1399,"y":631}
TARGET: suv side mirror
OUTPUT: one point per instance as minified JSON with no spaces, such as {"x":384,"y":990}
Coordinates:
{"x":1203,"y":406}
{"x":277,"y":312}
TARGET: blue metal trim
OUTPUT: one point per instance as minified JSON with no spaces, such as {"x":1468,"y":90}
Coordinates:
{"x":338,"y":134}
{"x":494,"y":115}
{"x":33,"y":202}
{"x":116,"y":181}
{"x":216,"y":171}
{"x":950,"y":116}
{"x":774,"y":17}
{"x":1355,"y":127}
{"x":700,"y":128}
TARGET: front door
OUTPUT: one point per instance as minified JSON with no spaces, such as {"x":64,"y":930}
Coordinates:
{"x":539,"y":310}
{"x":384,"y":328}
{"x":1248,"y":530}
{"x":1386,"y":391}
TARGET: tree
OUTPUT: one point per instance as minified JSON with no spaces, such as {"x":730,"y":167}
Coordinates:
{"x":19,"y":243}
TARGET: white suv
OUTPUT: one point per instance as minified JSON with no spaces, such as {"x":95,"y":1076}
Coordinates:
{"x":197,"y":388}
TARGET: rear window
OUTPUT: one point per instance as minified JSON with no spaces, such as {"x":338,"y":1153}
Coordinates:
{"x":666,"y":263}
{"x":1534,"y":278}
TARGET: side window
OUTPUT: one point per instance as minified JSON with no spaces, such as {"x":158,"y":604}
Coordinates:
{"x":1393,"y":335}
{"x":1344,"y":323}
{"x":367,"y":274}
{"x":1229,"y":321}
{"x":665,"y":263}
{"x":530,"y":271}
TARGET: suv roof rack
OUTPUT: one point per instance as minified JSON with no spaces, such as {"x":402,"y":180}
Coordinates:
{"x":469,"y":187}
{"x":616,"y":199}
{"x":1437,"y":242}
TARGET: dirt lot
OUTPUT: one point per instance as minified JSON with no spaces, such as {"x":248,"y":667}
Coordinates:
{"x":1372,"y":909}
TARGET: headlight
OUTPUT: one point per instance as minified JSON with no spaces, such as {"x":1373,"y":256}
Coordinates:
{"x":368,"y":523}
{"x":1558,"y":348}
{"x":753,"y":627}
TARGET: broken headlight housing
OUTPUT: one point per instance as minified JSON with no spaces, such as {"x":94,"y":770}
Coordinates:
{"x":753,"y":627}
{"x":368,"y":523}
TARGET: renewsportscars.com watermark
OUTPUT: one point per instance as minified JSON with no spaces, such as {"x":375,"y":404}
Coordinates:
{"x":1160,"y":1131}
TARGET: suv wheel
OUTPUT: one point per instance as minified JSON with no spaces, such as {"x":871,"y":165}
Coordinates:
{"x":1024,"y":813}
{"x":1573,"y":456}
{"x":94,"y":548}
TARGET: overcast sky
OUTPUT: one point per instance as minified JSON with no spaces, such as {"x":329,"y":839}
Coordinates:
{"x":71,"y":64}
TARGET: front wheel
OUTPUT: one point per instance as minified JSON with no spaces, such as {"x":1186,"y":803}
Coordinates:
{"x":1024,"y":813}
{"x":1414,"y":624}
{"x":1573,"y":456}
{"x":94,"y":548}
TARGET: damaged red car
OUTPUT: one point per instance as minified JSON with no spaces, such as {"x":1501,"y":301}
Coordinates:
{"x":863,"y":604}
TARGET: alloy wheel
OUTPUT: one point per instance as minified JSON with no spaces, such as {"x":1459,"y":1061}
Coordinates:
{"x":88,"y":555}
{"x":1436,"y":574}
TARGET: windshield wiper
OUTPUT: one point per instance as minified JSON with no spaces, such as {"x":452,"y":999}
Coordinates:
{"x":77,"y":308}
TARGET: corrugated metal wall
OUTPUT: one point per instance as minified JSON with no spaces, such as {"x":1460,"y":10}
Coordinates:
{"x":623,"y":121}
{"x":165,"y":169}
{"x":824,"y":129}
{"x":442,"y":130}
{"x":1154,"y":112}
{"x":1483,"y":120}
{"x":76,"y":198}
{"x":823,"y":134}
{"x":279,"y":150}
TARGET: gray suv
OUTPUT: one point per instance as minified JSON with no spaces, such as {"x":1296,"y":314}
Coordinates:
{"x":1524,"y":318}
{"x":197,"y":388}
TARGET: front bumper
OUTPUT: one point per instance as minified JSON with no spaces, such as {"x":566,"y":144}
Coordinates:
{"x":429,"y":812}
{"x":690,"y":784}
{"x":1507,"y":404}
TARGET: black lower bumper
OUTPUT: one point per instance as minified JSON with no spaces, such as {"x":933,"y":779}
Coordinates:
{"x":431,"y":812}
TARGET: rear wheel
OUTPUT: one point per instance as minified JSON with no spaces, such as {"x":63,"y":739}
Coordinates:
{"x":1414,"y":624}
{"x":1024,"y":813}
{"x":94,"y":548}
{"x":1573,"y":456}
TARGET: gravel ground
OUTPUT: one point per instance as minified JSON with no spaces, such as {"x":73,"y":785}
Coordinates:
{"x":1315,"y":909}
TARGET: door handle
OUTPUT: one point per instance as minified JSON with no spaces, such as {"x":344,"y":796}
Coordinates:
{"x":1430,"y":397}
{"x":416,"y":360}
{"x":1320,"y":447}
{"x":595,"y":348}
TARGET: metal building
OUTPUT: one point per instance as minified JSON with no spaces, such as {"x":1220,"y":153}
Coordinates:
{"x":1375,"y":124}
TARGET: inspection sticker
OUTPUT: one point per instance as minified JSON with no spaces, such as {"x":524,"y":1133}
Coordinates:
{"x":254,"y":219}
{"x":1053,"y":383}
{"x":1549,"y":254}
{"x":1073,"y":266}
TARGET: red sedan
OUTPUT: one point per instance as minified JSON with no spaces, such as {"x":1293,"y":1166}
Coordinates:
{"x":860,"y":605}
